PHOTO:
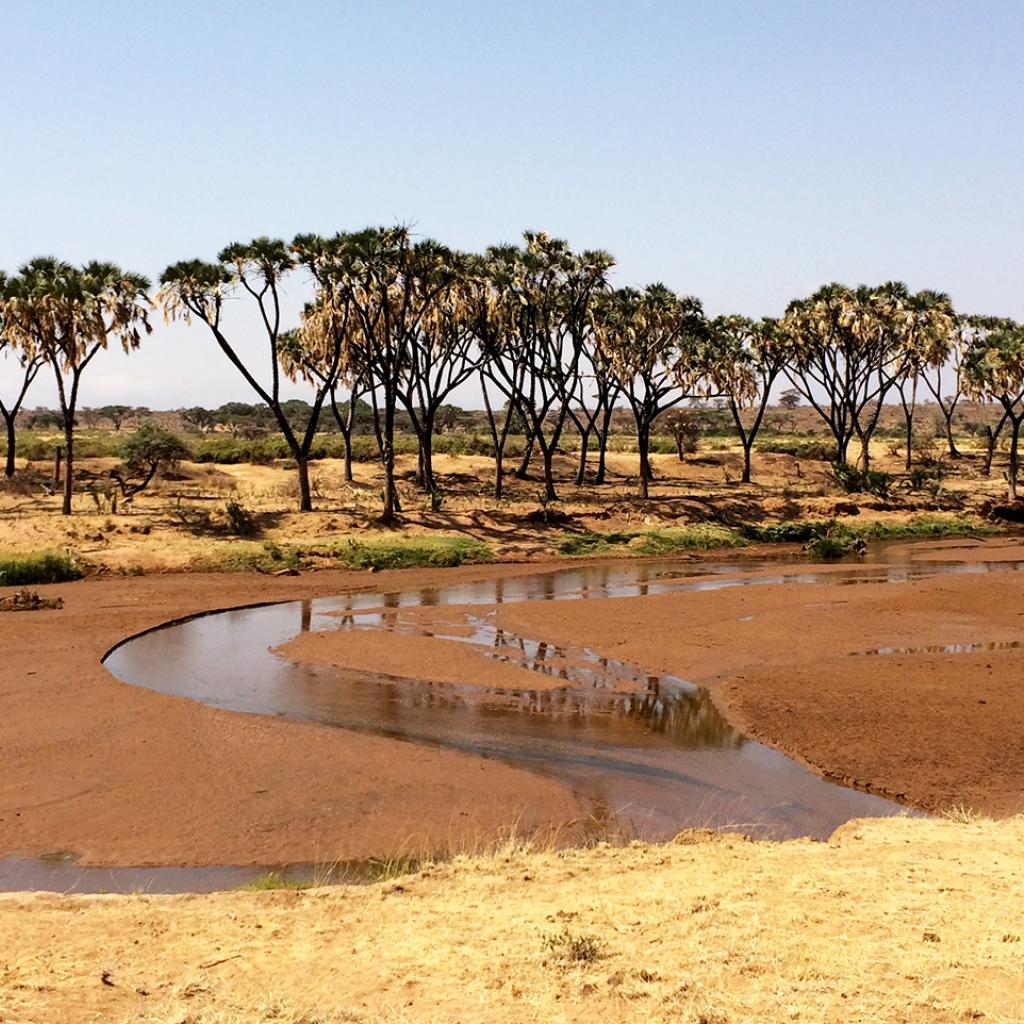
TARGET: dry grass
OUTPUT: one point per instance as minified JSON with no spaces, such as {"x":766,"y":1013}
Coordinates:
{"x":895,"y":920}
{"x":183,"y":523}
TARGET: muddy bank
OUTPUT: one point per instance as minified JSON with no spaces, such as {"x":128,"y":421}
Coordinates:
{"x":120,"y":775}
{"x":791,"y":665}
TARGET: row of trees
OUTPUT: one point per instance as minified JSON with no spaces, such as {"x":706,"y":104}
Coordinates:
{"x":396,"y":324}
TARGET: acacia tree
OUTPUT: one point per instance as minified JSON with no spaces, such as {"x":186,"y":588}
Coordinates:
{"x":442,"y":355}
{"x":28,"y":367}
{"x":195,"y":289}
{"x":393,"y":284}
{"x":947,"y":395}
{"x":655,"y":343}
{"x":846,"y":355}
{"x":746,"y":359}
{"x":544,"y":291}
{"x":67,"y":315}
{"x":927,"y":329}
{"x":994,"y":369}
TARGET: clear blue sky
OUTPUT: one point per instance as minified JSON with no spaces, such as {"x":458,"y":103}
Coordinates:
{"x":743,"y":152}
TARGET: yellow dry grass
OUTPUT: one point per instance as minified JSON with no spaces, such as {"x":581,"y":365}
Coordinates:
{"x":894,"y":920}
{"x":180,"y":524}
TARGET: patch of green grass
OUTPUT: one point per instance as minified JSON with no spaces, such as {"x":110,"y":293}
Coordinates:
{"x":804,"y":531}
{"x":698,"y":536}
{"x":587,"y":542}
{"x":415,"y":552}
{"x":247,"y":556}
{"x":682,"y":538}
{"x":38,"y":567}
{"x":274,"y":880}
{"x":922,"y":526}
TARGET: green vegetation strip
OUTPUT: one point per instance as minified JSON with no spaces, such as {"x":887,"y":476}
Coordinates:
{"x":37,"y":567}
{"x":825,"y":538}
{"x":398,"y":553}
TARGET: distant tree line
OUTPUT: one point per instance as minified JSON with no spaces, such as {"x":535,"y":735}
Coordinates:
{"x":397,"y":324}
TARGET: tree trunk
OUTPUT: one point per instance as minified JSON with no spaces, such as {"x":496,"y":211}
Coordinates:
{"x":602,"y":445}
{"x":842,"y":449}
{"x":305,"y":494}
{"x":643,"y":445}
{"x":549,"y":472}
{"x":499,"y":471}
{"x":388,"y":459}
{"x":69,"y":464}
{"x":909,"y":417}
{"x":581,"y":472}
{"x":747,"y":446}
{"x":426,"y":461}
{"x":523,"y":472}
{"x":1011,"y":473}
{"x":954,"y":452}
{"x":9,"y":468}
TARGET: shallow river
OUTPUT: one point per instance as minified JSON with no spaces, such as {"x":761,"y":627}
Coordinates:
{"x":660,"y":758}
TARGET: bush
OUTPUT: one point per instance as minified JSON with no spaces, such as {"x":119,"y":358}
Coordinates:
{"x":41,"y":567}
{"x":829,"y":547}
{"x":415,"y":552}
{"x":241,"y":521}
{"x":819,"y":451}
{"x":859,"y":481}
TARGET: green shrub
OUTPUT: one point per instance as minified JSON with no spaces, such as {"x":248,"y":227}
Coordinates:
{"x":415,"y":552}
{"x":651,"y":542}
{"x":803,"y":448}
{"x":789,"y":532}
{"x":860,"y":481}
{"x":829,"y":547}
{"x":39,"y":567}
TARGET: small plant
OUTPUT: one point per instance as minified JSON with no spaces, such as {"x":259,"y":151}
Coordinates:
{"x":829,"y":547}
{"x":241,"y":522}
{"x":149,"y":448}
{"x":274,"y":880}
{"x":42,"y":567}
{"x":575,"y":949}
{"x":862,"y":481}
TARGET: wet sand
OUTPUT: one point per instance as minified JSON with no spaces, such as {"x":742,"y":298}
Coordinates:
{"x":123,"y":776}
{"x":788,"y":666}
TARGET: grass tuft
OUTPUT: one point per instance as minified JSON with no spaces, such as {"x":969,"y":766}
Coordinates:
{"x":575,"y":949}
{"x":273,"y":880}
{"x":39,"y":567}
{"x":415,"y":552}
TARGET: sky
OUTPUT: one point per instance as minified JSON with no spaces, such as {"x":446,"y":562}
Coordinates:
{"x":742,"y":152}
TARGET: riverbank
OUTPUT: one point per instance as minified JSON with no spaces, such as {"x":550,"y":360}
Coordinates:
{"x":119,"y":775}
{"x":894,"y":920}
{"x":123,"y":776}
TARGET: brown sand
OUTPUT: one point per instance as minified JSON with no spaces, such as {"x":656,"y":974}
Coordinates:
{"x":934,"y":730}
{"x":123,"y":776}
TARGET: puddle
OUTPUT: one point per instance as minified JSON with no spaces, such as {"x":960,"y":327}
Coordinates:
{"x":992,"y":645}
{"x":661,"y":756}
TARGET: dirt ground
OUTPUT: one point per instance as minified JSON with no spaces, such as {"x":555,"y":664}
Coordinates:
{"x":894,"y":920}
{"x":125,"y":776}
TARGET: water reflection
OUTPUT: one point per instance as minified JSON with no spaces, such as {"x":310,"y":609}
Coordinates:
{"x":653,"y":748}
